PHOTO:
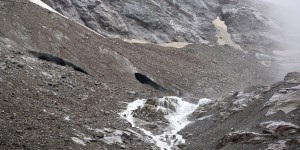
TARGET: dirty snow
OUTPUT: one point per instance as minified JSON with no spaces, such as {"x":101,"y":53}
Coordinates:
{"x":205,"y":117}
{"x":241,"y":101}
{"x":112,"y":136}
{"x":174,"y":44}
{"x":115,"y":137}
{"x":67,"y":118}
{"x":46,"y":74}
{"x":135,"y":41}
{"x":171,"y":44}
{"x":78,"y":141}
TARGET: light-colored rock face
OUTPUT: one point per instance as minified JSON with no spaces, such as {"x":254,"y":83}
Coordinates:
{"x":223,"y":35}
{"x":287,"y":101}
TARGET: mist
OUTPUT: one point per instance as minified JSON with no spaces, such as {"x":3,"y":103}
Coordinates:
{"x":286,"y":13}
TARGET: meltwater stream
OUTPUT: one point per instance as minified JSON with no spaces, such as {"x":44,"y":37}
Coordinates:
{"x":175,"y":112}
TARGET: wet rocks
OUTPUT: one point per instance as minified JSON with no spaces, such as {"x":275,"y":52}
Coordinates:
{"x":286,"y":102}
{"x":267,"y":117}
{"x":272,"y":130}
{"x":243,"y":137}
{"x":295,"y":140}
{"x":279,"y":127}
{"x":98,"y":135}
{"x":279,"y":145}
{"x":293,"y":77}
{"x":154,"y":117}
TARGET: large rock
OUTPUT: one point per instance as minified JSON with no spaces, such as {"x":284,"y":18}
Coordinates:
{"x":242,"y":120}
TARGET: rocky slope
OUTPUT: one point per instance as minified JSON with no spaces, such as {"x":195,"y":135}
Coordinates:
{"x":62,"y":85}
{"x":174,"y":20}
{"x":260,"y":117}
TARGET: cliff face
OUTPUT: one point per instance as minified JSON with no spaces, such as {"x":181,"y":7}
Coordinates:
{"x":259,"y":117}
{"x":174,"y":20}
{"x":153,"y":21}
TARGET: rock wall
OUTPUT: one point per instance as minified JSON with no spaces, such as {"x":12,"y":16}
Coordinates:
{"x":173,"y":20}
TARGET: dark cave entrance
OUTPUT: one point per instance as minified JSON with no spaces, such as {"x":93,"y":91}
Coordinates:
{"x":145,"y":80}
{"x":57,"y":60}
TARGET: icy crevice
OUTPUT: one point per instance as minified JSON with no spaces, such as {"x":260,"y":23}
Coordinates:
{"x":176,"y":113}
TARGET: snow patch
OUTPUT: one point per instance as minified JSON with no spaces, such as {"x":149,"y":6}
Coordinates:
{"x":78,"y":141}
{"x":174,"y":44}
{"x":115,"y":137}
{"x":205,"y":117}
{"x":171,"y":44}
{"x":135,"y":41}
{"x":42,"y":4}
{"x":67,"y":118}
{"x":46,"y":74}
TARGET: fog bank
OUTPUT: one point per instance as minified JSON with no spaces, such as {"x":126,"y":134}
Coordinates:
{"x":287,"y":15}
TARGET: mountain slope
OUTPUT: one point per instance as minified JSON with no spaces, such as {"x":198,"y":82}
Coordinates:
{"x":175,"y":21}
{"x":63,"y":85}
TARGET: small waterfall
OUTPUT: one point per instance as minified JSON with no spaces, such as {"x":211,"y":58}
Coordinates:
{"x":175,"y":113}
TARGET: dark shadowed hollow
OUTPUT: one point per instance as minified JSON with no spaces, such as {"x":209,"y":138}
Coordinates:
{"x":57,"y":60}
{"x":145,"y":80}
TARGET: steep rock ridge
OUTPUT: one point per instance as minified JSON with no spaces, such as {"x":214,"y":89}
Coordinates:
{"x":265,"y":117}
{"x":153,"y":21}
{"x":175,"y":21}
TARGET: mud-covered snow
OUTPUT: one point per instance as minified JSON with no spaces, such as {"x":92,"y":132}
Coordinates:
{"x":78,"y":141}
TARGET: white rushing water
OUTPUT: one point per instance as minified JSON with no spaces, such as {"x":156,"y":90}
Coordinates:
{"x":177,"y":118}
